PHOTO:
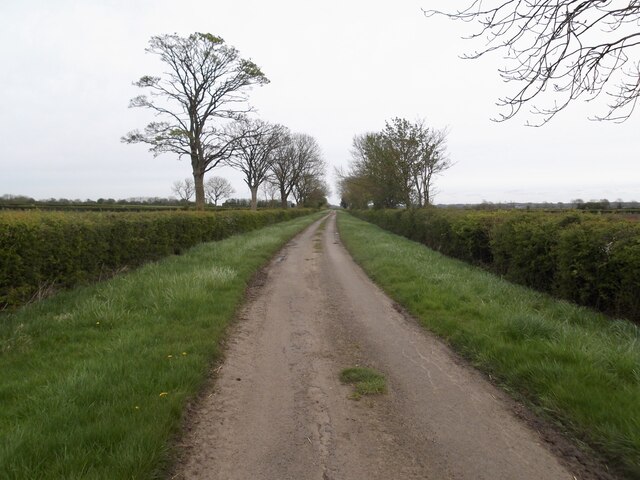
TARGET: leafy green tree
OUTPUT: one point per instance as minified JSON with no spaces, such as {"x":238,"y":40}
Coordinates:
{"x":375,"y":162}
{"x":397,"y":166}
{"x":354,"y":190}
{"x":405,"y":142}
{"x":206,"y":79}
{"x":432,"y":161}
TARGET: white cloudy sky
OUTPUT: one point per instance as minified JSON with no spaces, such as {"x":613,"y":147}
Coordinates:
{"x":337,"y":68}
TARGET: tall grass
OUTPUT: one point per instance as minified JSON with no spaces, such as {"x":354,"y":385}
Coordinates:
{"x":573,"y":365}
{"x":95,"y":380}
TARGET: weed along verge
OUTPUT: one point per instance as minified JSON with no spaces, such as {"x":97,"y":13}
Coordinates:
{"x":366,"y":381}
{"x":95,"y":380}
{"x":575,"y":367}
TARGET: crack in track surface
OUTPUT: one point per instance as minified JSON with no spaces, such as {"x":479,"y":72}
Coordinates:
{"x":278,"y":410}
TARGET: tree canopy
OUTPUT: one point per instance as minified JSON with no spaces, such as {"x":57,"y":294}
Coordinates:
{"x":206,"y":80}
{"x":395,"y":167}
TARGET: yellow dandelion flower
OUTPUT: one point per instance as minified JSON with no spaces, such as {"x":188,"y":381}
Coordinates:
{"x":164,"y":394}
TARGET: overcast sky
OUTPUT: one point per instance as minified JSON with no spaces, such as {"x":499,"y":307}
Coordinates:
{"x":337,"y":68}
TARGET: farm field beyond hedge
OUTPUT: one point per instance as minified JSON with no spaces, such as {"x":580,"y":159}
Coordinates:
{"x":578,"y":368}
{"x":95,"y":379}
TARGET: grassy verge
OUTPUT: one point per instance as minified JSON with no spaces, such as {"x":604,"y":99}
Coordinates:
{"x":573,"y":365}
{"x":94,"y":380}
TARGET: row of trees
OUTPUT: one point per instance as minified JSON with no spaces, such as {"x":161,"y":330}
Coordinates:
{"x":271,"y":157}
{"x":201,"y":107}
{"x":268,"y":153}
{"x":394,"y":167}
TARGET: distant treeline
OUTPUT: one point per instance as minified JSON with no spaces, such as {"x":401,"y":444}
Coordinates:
{"x":591,"y":205}
{"x":139,"y":204}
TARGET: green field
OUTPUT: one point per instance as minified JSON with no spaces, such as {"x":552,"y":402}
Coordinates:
{"x":95,"y":380}
{"x":575,"y":367}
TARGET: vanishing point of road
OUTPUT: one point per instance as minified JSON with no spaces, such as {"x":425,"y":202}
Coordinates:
{"x":278,"y":411}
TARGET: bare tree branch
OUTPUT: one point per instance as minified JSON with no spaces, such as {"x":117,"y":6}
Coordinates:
{"x":299,"y":154}
{"x":255,"y":142}
{"x":184,"y":189}
{"x":217,"y":188}
{"x":566,"y":49}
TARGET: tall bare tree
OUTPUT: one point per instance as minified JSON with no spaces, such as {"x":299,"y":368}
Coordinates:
{"x":255,"y":142}
{"x":269,"y":190}
{"x":206,"y":79}
{"x":299,"y":154}
{"x":572,"y":49}
{"x":217,"y":188}
{"x":183,"y":189}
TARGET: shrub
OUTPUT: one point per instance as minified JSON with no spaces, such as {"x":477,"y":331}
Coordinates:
{"x":523,"y":249}
{"x":599,"y":265}
{"x":592,"y":261}
{"x":42,"y":250}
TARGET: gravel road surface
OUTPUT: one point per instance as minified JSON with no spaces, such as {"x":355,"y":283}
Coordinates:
{"x":278,"y":411}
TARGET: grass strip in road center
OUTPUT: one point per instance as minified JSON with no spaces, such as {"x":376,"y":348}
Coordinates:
{"x":366,"y":381}
{"x":95,"y":380}
{"x":573,"y":365}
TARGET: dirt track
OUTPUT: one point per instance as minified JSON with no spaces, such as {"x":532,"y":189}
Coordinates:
{"x":278,"y":410}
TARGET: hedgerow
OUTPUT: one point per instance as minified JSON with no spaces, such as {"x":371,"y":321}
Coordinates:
{"x":50,"y":250}
{"x":590,"y":260}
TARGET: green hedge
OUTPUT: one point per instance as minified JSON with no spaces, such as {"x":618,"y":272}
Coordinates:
{"x":590,"y":260}
{"x":41,"y":250}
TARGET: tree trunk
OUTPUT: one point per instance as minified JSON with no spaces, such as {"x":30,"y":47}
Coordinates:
{"x":283,"y":199}
{"x":417,"y":182}
{"x":198,"y":180}
{"x":427,"y":192}
{"x":254,"y":198}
